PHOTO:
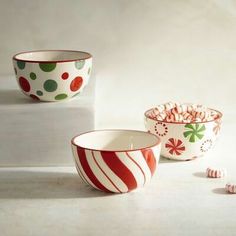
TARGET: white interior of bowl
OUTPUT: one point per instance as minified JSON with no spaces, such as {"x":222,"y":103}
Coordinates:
{"x":54,"y":55}
{"x":116,"y":140}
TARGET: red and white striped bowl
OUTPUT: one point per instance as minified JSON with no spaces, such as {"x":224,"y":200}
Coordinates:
{"x":116,"y":161}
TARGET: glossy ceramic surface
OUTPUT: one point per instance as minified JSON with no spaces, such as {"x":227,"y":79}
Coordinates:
{"x":52,"y":75}
{"x":181,"y":141}
{"x":116,"y":161}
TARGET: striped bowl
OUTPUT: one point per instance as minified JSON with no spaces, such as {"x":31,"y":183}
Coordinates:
{"x":116,"y":161}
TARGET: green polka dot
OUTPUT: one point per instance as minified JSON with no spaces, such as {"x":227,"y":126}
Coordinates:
{"x":40,"y":93}
{"x":47,"y":67}
{"x":21,"y":64}
{"x":33,"y":76}
{"x":50,"y":85}
{"x":61,"y":96}
{"x":79,"y":64}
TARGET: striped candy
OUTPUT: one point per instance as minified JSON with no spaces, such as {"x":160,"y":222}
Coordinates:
{"x":186,"y":113}
{"x":215,"y":173}
{"x":230,"y":188}
{"x":117,"y":172}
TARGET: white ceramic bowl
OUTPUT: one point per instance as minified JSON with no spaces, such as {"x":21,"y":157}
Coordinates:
{"x":116,"y":161}
{"x":182,"y":141}
{"x":52,"y":75}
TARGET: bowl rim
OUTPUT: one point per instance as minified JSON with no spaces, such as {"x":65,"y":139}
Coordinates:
{"x":52,"y":61}
{"x":125,"y":150}
{"x":184,"y":123}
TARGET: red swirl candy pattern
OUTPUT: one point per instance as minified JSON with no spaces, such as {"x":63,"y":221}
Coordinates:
{"x":117,"y":172}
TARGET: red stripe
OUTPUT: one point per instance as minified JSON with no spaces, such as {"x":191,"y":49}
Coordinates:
{"x":88,"y":171}
{"x":118,"y":167}
{"x":105,"y":174}
{"x":79,"y":170}
{"x":150,"y":159}
{"x":80,"y":173}
{"x":138,"y":166}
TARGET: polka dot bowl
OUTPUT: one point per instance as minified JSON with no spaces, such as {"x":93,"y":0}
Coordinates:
{"x":184,"y":141}
{"x":52,"y":75}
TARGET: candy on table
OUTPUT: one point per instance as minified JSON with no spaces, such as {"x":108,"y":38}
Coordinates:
{"x":185,"y":112}
{"x":230,"y":187}
{"x":215,"y":172}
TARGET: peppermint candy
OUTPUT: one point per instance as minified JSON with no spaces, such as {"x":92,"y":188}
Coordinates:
{"x":184,"y":113}
{"x":230,"y":187}
{"x":215,"y":172}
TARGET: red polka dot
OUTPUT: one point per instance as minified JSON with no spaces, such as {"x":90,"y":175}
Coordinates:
{"x":24,"y":84}
{"x":65,"y":76}
{"x":34,"y":97}
{"x":76,"y":83}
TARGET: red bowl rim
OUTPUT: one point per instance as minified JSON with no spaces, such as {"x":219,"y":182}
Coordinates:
{"x":54,"y":50}
{"x":101,"y":150}
{"x":196,"y":122}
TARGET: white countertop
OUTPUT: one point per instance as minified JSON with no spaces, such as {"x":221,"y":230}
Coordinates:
{"x":180,"y":200}
{"x":38,"y":133}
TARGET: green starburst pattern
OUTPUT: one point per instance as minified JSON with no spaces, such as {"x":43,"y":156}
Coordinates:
{"x":194,"y":132}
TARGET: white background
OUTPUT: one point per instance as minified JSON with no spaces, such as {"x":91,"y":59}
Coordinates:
{"x":145,"y":51}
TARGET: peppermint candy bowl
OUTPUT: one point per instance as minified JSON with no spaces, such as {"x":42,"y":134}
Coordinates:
{"x":116,"y":161}
{"x":184,"y":141}
{"x":52,"y":75}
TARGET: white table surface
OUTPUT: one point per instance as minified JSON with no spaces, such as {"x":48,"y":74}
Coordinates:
{"x":38,"y":133}
{"x":180,"y":200}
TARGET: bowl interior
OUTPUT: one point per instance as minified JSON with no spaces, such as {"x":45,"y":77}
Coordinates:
{"x":52,"y":56}
{"x":116,"y":140}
